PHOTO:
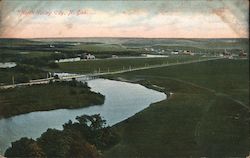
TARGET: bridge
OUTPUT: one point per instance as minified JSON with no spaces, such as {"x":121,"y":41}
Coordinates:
{"x":99,"y":74}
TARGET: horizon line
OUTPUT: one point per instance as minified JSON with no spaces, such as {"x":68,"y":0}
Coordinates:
{"x":129,"y":37}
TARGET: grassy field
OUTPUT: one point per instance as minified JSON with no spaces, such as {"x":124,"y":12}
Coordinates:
{"x":91,"y":66}
{"x":207,"y":114}
{"x":47,"y":97}
{"x":16,"y":50}
{"x":12,"y":49}
{"x":223,"y":76}
{"x":21,"y":73}
{"x":101,"y":47}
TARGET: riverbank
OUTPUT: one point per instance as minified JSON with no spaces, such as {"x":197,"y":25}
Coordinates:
{"x":122,"y":100}
{"x":51,"y":96}
{"x":197,"y":120}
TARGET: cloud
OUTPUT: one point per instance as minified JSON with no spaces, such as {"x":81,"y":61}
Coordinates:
{"x":232,"y":21}
{"x":123,"y":18}
{"x":9,"y":17}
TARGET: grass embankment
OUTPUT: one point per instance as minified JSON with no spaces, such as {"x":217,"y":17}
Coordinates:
{"x":47,"y":97}
{"x":91,"y":66}
{"x":201,"y":118}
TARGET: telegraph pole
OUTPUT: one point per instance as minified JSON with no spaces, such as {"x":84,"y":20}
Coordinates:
{"x":13,"y":80}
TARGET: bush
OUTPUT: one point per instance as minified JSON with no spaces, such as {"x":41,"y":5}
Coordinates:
{"x":24,"y":148}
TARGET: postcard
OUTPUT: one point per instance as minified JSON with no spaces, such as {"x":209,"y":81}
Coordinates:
{"x":124,"y":79}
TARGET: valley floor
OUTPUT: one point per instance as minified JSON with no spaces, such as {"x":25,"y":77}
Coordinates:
{"x":207,"y":115}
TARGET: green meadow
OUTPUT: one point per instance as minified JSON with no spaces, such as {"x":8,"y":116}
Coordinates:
{"x":91,"y":66}
{"x":206,"y":116}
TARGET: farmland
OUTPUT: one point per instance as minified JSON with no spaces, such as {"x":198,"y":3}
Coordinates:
{"x":201,"y":118}
{"x":207,"y":110}
{"x":119,"y":64}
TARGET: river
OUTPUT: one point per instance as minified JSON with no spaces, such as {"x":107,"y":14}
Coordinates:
{"x":122,"y":100}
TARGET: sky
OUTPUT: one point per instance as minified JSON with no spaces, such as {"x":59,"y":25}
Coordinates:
{"x":130,"y":18}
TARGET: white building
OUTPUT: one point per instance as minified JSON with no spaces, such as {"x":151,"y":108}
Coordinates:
{"x":89,"y":56}
{"x":67,"y":60}
{"x":114,"y":56}
{"x":174,"y":52}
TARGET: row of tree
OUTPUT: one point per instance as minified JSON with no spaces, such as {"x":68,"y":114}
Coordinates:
{"x":87,"y":137}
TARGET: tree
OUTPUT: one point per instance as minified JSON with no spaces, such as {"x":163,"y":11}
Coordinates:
{"x":24,"y":147}
{"x":95,"y":122}
{"x":54,"y":143}
{"x":85,"y":138}
{"x":80,"y":148}
{"x":93,"y":129}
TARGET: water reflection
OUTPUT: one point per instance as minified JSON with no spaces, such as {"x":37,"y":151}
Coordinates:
{"x":122,"y":100}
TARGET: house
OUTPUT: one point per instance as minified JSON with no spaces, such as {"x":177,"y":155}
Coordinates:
{"x":67,"y":60}
{"x":242,"y":54}
{"x":114,"y":56}
{"x":175,"y":52}
{"x":187,"y":52}
{"x":87,"y":56}
{"x":226,"y":53}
